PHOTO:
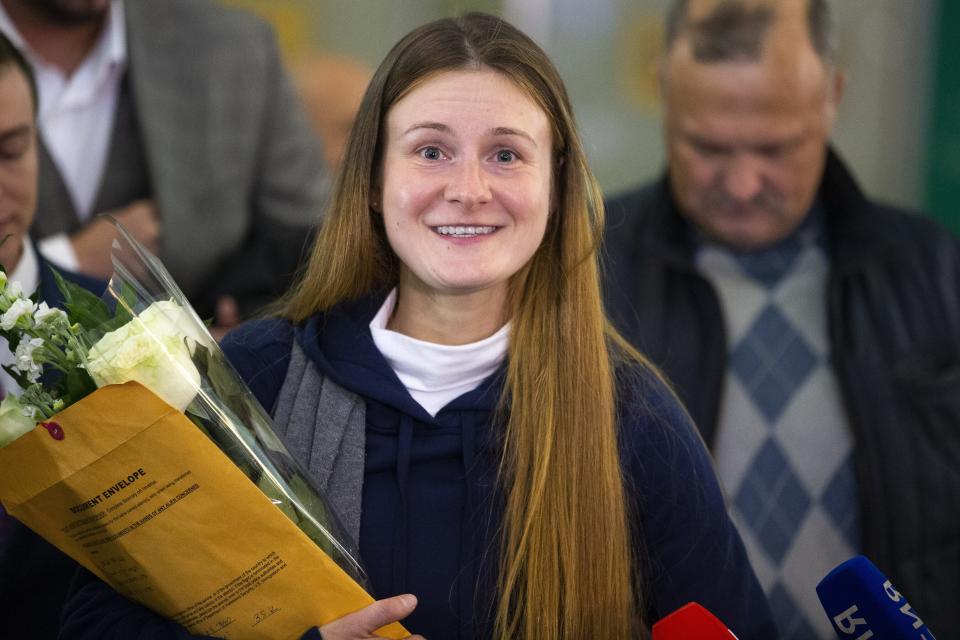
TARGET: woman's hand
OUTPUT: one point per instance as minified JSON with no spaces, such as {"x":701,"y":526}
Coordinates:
{"x":360,"y":625}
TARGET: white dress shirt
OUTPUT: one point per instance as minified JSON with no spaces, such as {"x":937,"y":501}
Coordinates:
{"x":76,"y":115}
{"x":27,"y":274}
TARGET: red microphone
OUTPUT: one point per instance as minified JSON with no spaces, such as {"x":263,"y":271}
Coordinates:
{"x":691,"y":621}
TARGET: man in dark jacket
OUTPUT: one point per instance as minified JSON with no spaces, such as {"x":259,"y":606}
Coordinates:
{"x":813,"y":334}
{"x":34,"y":576}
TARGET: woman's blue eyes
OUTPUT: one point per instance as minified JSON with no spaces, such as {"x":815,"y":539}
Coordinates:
{"x":434,"y":153}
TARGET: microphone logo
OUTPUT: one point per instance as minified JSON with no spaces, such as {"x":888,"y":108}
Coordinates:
{"x":863,"y":604}
{"x":847,"y":622}
{"x":905,"y":609}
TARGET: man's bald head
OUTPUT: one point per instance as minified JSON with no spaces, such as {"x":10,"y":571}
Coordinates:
{"x":730,"y":30}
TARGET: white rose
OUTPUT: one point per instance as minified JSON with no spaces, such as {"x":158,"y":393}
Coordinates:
{"x":13,"y":423}
{"x":169,"y":318}
{"x":151,"y":349}
{"x":20,"y":308}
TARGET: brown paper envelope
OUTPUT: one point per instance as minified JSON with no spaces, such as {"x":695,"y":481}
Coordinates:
{"x":140,"y":496}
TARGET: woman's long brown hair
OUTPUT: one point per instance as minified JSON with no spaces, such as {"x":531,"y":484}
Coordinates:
{"x":566,"y":568}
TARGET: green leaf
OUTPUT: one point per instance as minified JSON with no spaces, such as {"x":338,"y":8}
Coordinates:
{"x":66,"y":289}
{"x":82,"y":306}
{"x":214,"y":368}
{"x":129,"y":296}
{"x":19,"y":376}
{"x":13,"y":341}
{"x":121,"y":313}
{"x":78,"y":384}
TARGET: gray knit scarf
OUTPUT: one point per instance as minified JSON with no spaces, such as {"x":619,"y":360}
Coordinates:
{"x":323,"y":426}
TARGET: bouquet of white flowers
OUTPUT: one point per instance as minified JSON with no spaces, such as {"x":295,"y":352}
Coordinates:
{"x":134,"y":443}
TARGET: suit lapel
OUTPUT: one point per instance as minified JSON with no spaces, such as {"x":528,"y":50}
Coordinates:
{"x":54,"y":201}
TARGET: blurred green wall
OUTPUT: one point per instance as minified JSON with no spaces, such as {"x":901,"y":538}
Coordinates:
{"x":943,"y":159}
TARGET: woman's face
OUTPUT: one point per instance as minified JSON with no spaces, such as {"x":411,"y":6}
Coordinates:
{"x":466,"y":185}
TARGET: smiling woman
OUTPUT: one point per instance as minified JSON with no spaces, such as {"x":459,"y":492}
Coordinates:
{"x":506,"y":463}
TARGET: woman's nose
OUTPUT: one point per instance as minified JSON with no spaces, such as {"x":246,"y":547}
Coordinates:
{"x":468,"y":184}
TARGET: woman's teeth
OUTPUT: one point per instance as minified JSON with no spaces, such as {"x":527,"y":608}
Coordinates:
{"x":463,"y":231}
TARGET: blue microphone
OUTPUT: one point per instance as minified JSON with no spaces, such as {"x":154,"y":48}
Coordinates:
{"x":862,"y":604}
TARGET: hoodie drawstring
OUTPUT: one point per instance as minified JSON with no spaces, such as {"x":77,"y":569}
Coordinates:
{"x":468,"y":559}
{"x":400,"y":549}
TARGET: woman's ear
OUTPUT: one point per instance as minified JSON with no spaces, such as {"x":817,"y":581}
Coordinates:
{"x":375,"y":203}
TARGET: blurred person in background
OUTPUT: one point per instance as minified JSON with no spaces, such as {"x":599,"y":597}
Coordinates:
{"x":331,"y":88}
{"x":34,"y":575}
{"x":813,"y":333}
{"x":178,"y":119}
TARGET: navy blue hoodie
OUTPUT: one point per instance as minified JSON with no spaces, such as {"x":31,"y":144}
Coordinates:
{"x":431,"y":506}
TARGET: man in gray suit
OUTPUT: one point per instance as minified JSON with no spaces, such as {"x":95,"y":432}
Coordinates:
{"x":193,"y":139}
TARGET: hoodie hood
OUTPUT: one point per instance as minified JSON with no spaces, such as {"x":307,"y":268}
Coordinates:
{"x":341,"y":346}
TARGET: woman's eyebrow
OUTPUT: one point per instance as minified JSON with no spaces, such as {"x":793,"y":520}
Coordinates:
{"x":496,"y":131}
{"x":507,"y":131}
{"x":436,"y":126}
